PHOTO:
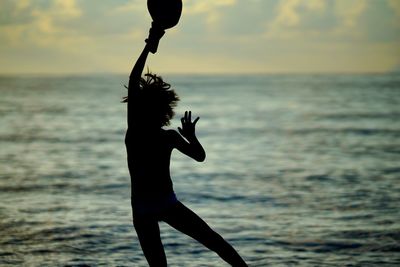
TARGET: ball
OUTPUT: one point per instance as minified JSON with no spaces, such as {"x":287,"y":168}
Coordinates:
{"x":165,"y":13}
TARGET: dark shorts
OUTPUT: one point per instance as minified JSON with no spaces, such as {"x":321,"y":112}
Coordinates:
{"x":153,"y":207}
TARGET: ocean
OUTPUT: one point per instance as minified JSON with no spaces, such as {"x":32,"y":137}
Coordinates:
{"x":301,"y":170}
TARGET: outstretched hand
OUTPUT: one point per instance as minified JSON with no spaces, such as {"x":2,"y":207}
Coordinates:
{"x":188,"y":127}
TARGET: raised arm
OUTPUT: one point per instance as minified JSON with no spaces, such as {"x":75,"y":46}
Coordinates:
{"x":155,"y":35}
{"x":136,"y":73}
{"x":133,"y":87}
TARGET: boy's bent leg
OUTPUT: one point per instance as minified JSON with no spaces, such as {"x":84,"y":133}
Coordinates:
{"x":186,"y":221}
{"x":148,"y":232}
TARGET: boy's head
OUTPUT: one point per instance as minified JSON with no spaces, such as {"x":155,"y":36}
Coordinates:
{"x":156,"y":101}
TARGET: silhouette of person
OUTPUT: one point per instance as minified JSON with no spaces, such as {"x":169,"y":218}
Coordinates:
{"x":150,"y":103}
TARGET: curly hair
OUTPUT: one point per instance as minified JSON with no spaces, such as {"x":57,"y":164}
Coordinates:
{"x":157,"y":97}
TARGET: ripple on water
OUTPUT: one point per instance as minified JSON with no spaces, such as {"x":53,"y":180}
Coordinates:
{"x":301,"y":170}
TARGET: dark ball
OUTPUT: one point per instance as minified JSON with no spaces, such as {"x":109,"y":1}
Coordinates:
{"x":165,"y":13}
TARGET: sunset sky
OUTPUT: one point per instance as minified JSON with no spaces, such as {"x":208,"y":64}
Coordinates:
{"x":213,"y":36}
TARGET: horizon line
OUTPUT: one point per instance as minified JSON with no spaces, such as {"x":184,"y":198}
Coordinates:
{"x":267,"y":73}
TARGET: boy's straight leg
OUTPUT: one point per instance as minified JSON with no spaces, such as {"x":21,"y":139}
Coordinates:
{"x":148,"y":232}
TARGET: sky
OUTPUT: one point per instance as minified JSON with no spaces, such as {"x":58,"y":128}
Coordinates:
{"x":213,"y":36}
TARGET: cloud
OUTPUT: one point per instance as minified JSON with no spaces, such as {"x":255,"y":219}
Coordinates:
{"x":287,"y":14}
{"x":205,"y":6}
{"x":316,"y":19}
{"x":395,"y":4}
{"x":213,"y":10}
{"x":290,"y":15}
{"x":316,"y":4}
{"x":36,"y":24}
{"x":49,"y":20}
{"x":134,"y":6}
{"x":348,"y":13}
{"x":22,"y":4}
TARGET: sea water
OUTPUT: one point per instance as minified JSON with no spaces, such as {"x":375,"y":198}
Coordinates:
{"x":301,"y":170}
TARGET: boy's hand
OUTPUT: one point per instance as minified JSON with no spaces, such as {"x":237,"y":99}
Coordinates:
{"x":155,"y":34}
{"x":188,"y":127}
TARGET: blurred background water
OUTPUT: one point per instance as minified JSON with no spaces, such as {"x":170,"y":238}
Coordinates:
{"x":301,"y":170}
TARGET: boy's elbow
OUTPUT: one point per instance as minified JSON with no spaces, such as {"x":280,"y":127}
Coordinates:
{"x":201,"y":157}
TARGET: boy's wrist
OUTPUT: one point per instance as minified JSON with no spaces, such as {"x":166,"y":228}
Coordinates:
{"x":155,"y":34}
{"x":191,"y":138}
